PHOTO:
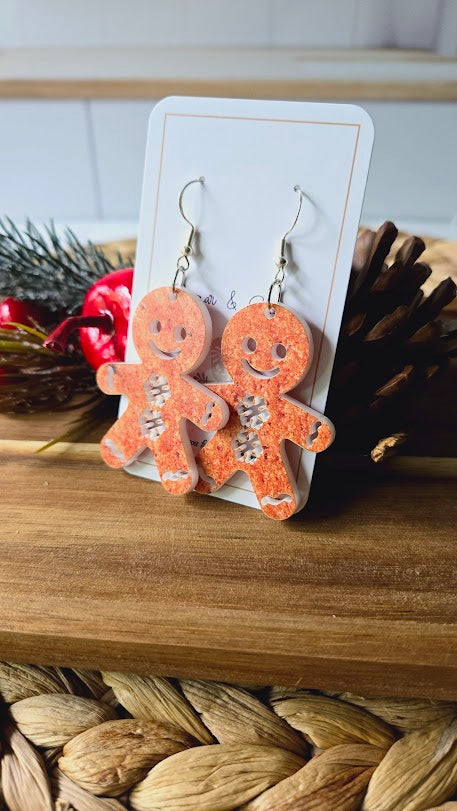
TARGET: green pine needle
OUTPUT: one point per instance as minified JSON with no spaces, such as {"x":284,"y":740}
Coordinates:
{"x":42,"y":268}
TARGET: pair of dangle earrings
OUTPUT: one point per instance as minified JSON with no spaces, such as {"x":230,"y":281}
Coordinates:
{"x":266,"y":350}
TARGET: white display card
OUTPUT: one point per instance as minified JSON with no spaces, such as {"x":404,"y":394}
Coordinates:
{"x":252,"y":154}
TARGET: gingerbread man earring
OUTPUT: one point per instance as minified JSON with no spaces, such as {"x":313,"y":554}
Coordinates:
{"x":267,"y":350}
{"x":172,"y":335}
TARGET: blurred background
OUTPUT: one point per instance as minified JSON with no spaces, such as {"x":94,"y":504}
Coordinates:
{"x":78,"y":80}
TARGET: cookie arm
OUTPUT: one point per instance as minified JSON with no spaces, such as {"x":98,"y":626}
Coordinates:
{"x":117,"y":378}
{"x":307,"y":428}
{"x":205,"y":408}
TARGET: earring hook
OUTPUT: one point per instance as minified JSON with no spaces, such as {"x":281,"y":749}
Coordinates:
{"x":282,"y":262}
{"x":182,"y":265}
{"x":188,"y":246}
{"x":280,"y":275}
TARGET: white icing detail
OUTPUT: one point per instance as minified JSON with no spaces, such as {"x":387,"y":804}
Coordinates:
{"x":284,"y":498}
{"x":253,"y":411}
{"x":313,"y":433}
{"x":247,"y":447}
{"x":151,"y":424}
{"x":157,"y":390}
{"x":114,"y":449}
{"x":205,"y":478}
{"x":208,"y":412}
{"x":110,"y":372}
{"x":174,"y":476}
{"x":251,"y":370}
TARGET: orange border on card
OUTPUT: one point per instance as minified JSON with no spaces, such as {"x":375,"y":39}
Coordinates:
{"x":343,"y":219}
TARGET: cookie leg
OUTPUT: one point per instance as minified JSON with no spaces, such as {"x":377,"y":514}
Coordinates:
{"x":175,"y":461}
{"x":215,"y":463}
{"x":274,"y":485}
{"x":123,"y":442}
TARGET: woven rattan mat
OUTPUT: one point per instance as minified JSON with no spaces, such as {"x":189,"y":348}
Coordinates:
{"x":71,"y":739}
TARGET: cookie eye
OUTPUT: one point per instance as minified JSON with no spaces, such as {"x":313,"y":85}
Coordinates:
{"x":179,"y":333}
{"x":278,"y":352}
{"x":155,"y":326}
{"x":249,"y":345}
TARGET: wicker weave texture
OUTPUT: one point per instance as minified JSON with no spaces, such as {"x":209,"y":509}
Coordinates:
{"x":90,"y":741}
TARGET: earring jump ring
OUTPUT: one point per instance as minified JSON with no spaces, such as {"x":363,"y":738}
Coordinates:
{"x":270,"y":303}
{"x":182,"y":265}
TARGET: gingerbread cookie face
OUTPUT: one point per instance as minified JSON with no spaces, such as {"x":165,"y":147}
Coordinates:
{"x":263,"y":346}
{"x":172,"y":330}
{"x":172,"y":334}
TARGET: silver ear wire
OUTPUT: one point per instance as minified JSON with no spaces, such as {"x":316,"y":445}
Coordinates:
{"x":182,"y":264}
{"x":282,"y":261}
{"x":280,"y":274}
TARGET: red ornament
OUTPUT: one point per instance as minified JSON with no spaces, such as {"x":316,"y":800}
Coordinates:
{"x":103,"y":321}
{"x":19,"y":312}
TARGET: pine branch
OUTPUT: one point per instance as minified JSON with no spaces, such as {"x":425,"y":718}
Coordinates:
{"x":42,"y":268}
{"x":33,"y":378}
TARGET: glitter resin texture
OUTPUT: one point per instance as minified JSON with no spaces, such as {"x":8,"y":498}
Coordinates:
{"x":172,"y":335}
{"x":266,"y":352}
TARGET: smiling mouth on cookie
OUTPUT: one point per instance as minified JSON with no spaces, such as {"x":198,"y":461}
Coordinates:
{"x":250,"y":369}
{"x":164,"y":355}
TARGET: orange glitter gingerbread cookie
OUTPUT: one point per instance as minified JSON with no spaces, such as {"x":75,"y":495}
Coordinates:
{"x":172,"y":335}
{"x":266,"y":351}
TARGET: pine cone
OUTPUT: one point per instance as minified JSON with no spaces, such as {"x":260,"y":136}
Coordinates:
{"x":391,"y":343}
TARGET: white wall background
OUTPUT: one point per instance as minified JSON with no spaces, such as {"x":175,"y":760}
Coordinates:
{"x":82,"y":160}
{"x":79,"y":160}
{"x":261,"y":23}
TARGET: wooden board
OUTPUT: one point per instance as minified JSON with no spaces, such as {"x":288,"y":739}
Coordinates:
{"x":99,"y":569}
{"x":232,"y":88}
{"x":151,"y":72}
